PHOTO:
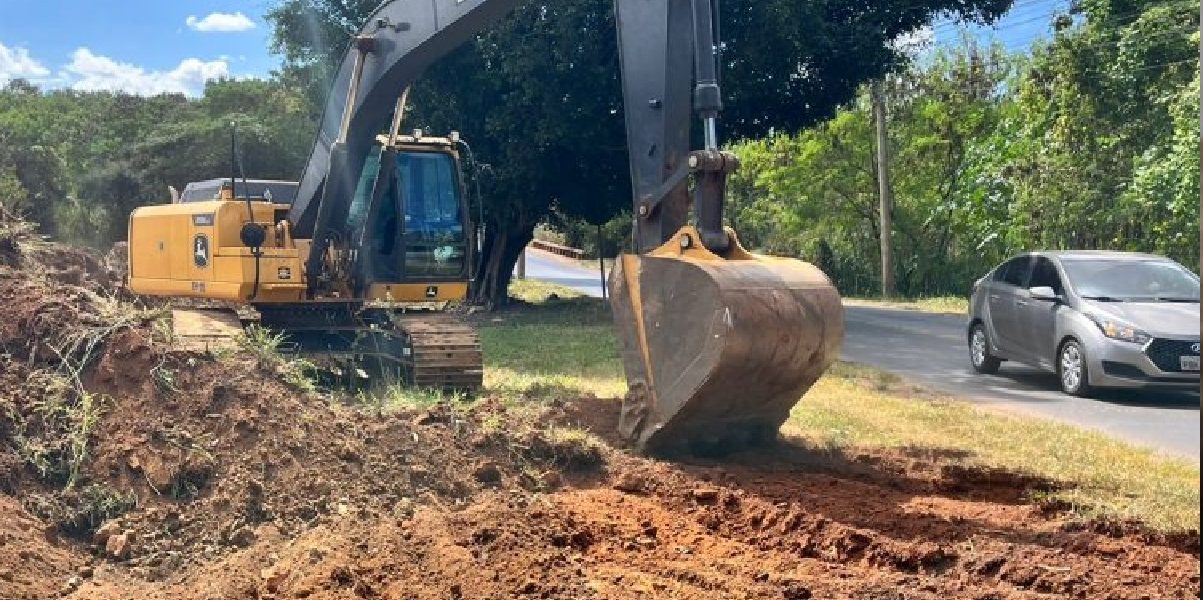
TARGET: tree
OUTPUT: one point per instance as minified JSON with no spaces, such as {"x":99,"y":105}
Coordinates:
{"x":1090,"y":142}
{"x":1100,"y":115}
{"x":78,"y":162}
{"x":539,"y":97}
{"x":814,"y":194}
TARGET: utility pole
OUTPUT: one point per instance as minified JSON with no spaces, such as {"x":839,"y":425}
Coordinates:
{"x":601,"y":261}
{"x":883,"y":190}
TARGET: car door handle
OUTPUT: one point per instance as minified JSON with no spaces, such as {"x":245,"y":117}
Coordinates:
{"x":1021,"y":303}
{"x":994,"y":296}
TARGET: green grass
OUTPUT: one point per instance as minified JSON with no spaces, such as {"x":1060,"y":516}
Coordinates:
{"x":558,"y":344}
{"x":555,"y":344}
{"x":957,"y":305}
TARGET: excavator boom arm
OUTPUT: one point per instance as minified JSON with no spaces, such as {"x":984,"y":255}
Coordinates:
{"x":660,"y":42}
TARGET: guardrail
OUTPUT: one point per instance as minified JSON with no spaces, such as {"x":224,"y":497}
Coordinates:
{"x":555,"y":248}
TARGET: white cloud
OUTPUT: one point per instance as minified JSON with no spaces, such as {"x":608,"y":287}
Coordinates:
{"x":16,"y":63}
{"x":89,"y":71}
{"x":916,"y":42}
{"x":223,"y":22}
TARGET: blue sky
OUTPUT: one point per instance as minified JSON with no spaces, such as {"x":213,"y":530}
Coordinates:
{"x":153,"y":46}
{"x":141,"y":46}
{"x":1026,"y":22}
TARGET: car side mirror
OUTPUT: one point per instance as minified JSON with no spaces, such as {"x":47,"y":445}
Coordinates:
{"x":1044,"y":292}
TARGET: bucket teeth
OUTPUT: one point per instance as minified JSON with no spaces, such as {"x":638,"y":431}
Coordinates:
{"x":718,"y":350}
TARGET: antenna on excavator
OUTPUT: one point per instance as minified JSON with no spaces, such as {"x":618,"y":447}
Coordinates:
{"x":233,"y":158}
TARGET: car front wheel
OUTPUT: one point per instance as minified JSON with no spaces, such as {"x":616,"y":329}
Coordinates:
{"x":1072,"y":369}
{"x":979,"y":351}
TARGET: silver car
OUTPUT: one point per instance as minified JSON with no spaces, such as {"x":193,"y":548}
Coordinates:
{"x":1097,"y":319}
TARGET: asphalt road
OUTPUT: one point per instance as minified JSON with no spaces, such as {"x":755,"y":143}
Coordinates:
{"x":930,"y":349}
{"x":551,"y":268}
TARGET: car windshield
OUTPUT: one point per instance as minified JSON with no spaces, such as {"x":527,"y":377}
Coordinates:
{"x":1132,"y":280}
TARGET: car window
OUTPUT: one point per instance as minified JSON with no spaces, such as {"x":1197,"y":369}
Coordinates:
{"x":1000,"y":274}
{"x":1137,"y":280}
{"x":1014,"y":271}
{"x":1044,"y":273}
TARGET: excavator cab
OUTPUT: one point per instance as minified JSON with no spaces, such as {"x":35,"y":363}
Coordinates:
{"x":409,"y":217}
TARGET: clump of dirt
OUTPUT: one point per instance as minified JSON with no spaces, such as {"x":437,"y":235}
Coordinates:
{"x":32,"y":560}
{"x":128,"y":469}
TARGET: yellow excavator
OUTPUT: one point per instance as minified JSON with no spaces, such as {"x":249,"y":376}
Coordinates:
{"x":356,"y":262}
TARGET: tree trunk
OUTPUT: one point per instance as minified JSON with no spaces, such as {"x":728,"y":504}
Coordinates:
{"x":502,"y":245}
{"x":885,"y":194}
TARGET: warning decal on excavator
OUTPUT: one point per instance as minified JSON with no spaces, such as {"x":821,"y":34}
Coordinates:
{"x":200,"y":250}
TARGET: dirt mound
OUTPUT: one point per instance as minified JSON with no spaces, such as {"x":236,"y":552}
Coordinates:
{"x":128,"y":469}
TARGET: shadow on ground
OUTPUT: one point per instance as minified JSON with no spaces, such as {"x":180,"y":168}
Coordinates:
{"x":908,"y":495}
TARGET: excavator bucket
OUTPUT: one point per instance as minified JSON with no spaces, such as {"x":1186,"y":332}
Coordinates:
{"x":717,"y":350}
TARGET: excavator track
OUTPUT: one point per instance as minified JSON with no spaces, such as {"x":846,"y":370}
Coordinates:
{"x":356,"y":345}
{"x":444,"y":352}
{"x":426,"y":350}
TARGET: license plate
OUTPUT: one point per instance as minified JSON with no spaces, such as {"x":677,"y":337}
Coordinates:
{"x":1190,"y":363}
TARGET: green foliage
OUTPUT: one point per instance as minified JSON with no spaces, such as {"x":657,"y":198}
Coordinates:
{"x":1108,"y":154}
{"x":814,"y":194}
{"x":53,"y":435}
{"x":301,"y":374}
{"x":1092,"y":142}
{"x":262,"y":342}
{"x":77,"y":163}
{"x":165,"y":378}
{"x":79,"y":512}
{"x":579,"y":233}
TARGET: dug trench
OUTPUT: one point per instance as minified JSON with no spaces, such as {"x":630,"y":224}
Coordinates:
{"x":131,"y":470}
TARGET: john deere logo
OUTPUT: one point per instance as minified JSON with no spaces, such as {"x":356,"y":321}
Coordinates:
{"x":200,"y":250}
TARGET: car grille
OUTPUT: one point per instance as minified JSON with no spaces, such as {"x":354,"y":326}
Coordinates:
{"x":1166,"y":354}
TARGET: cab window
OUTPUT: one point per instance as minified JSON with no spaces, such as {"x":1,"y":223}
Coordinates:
{"x":435,"y":241}
{"x":358,"y":212}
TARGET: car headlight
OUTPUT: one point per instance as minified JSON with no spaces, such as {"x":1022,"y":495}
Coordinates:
{"x":1119,"y":330}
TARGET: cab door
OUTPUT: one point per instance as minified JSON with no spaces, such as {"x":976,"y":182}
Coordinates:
{"x":435,"y":236}
{"x":375,"y":223}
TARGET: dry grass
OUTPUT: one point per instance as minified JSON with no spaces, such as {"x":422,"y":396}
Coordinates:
{"x":562,"y":345}
{"x":951,"y":305}
{"x":855,"y":406}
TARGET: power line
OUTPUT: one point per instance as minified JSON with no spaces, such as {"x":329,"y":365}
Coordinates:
{"x":1108,"y":20}
{"x":1128,"y":39}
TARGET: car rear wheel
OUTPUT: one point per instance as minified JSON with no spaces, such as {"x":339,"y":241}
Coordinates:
{"x":979,"y":351}
{"x":1072,"y":369}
